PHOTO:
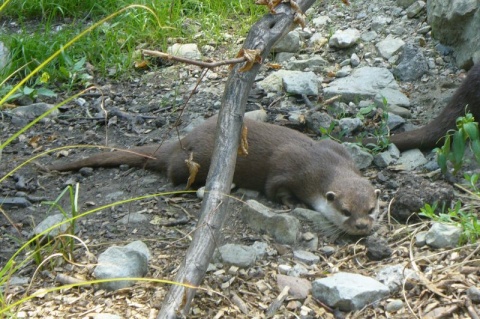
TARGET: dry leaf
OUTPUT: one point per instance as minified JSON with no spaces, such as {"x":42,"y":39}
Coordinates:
{"x":52,"y":137}
{"x":34,"y":141}
{"x":274,"y":66}
{"x":300,"y":19}
{"x":243,"y":147}
{"x":141,"y":64}
{"x":271,"y":4}
{"x":192,"y":169}
{"x":346,"y":2}
{"x":252,"y":56}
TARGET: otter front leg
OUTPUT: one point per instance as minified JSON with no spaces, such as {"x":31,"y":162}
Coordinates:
{"x":284,"y":196}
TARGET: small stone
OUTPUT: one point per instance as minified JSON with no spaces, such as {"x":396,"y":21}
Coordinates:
{"x":306,"y":257}
{"x":474,"y":294}
{"x":394,"y":305}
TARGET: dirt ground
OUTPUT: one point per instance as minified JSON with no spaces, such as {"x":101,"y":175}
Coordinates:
{"x":145,"y":110}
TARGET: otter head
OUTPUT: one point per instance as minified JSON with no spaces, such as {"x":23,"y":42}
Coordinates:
{"x":352,"y":210}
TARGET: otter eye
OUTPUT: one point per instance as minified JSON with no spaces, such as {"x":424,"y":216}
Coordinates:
{"x":346,"y":213}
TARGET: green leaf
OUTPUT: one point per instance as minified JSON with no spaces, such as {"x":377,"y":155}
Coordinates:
{"x":28,"y":90}
{"x":458,"y":147}
{"x":46,"y":92}
{"x":442,"y":161}
{"x":475,"y":145}
{"x":471,"y":129}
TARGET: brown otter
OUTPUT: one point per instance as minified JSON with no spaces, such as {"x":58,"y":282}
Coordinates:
{"x":282,"y":163}
{"x":465,"y":99}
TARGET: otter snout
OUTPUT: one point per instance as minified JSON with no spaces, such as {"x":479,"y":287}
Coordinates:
{"x":358,"y":226}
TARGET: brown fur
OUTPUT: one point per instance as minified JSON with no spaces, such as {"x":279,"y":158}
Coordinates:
{"x":282,"y":163}
{"x":465,"y":99}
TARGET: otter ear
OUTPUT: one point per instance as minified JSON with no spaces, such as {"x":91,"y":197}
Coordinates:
{"x":378,"y":192}
{"x":330,"y":196}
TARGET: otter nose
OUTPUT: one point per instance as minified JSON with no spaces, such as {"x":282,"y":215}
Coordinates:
{"x":361,"y":225}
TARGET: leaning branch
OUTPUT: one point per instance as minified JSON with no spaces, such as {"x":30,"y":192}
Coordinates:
{"x":208,"y":65}
{"x":262,"y":37}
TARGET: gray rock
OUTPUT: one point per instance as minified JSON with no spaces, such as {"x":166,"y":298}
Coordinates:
{"x":405,"y":3}
{"x":415,"y":9}
{"x":4,"y":52}
{"x":394,"y":276}
{"x":394,"y":121}
{"x":348,"y":292}
{"x":454,"y":21}
{"x":257,"y":115}
{"x":392,"y":97}
{"x":274,"y":81}
{"x":114,"y":196}
{"x":306,"y":257}
{"x":133,"y":218}
{"x":309,"y":241}
{"x":361,"y":157}
{"x":17,"y":281}
{"x":343,"y":72}
{"x":389,"y":46}
{"x":394,"y":151}
{"x":369,"y":36}
{"x":412,"y":64}
{"x":15,"y":202}
{"x":315,"y":63}
{"x":383,"y":159}
{"x":106,"y":316}
{"x":421,"y":239}
{"x":187,"y":50}
{"x":363,"y":84}
{"x":377,"y":248}
{"x":443,"y":235}
{"x":289,"y":43}
{"x":299,"y":287}
{"x":52,"y":221}
{"x":238,"y":255}
{"x":316,"y":120}
{"x":412,"y":159}
{"x":354,"y":60}
{"x":399,"y":110}
{"x":281,"y":57}
{"x":379,"y":22}
{"x":317,"y":40}
{"x":343,"y":39}
{"x":262,"y":249}
{"x":474,"y":294}
{"x":321,"y":21}
{"x":86,"y":171}
{"x":349,"y":125}
{"x":297,"y":271}
{"x":301,"y":83}
{"x":33,"y":111}
{"x":394,"y":305}
{"x":283,"y":228}
{"x":122,"y":262}
{"x":327,"y":250}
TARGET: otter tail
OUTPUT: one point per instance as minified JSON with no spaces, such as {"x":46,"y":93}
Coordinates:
{"x":465,"y":99}
{"x":152,"y":157}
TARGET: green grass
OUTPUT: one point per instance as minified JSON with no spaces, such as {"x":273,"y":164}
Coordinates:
{"x":45,"y":26}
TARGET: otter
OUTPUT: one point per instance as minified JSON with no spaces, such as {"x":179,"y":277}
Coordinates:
{"x":284,"y":164}
{"x":465,"y":99}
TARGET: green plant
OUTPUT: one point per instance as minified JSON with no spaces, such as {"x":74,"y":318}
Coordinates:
{"x":75,"y":72}
{"x":34,"y":91}
{"x":468,"y":221}
{"x":453,"y":149}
